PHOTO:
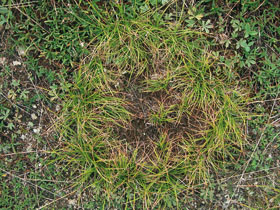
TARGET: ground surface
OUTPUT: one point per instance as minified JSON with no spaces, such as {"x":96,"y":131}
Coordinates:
{"x":44,"y":44}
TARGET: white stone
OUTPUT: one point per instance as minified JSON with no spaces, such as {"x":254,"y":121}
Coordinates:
{"x":36,"y":130}
{"x":57,"y":108}
{"x":33,"y":116}
{"x":2,"y":60}
{"x":16,"y":63}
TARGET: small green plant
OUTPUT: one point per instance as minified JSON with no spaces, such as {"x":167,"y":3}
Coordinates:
{"x":206,"y":25}
{"x":163,"y":115}
{"x":5,"y":14}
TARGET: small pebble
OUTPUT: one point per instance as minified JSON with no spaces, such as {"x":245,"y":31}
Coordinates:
{"x":57,"y":108}
{"x":16,"y":63}
{"x":33,"y":116}
{"x":2,"y":60}
{"x":36,"y":130}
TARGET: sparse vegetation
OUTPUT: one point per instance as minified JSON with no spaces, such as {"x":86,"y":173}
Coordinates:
{"x":140,"y":104}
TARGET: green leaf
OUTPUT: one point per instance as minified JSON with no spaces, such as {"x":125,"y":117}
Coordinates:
{"x":164,"y":1}
{"x":15,"y":83}
{"x":4,"y":114}
{"x":10,"y":126}
{"x":153,"y":2}
{"x":199,"y":16}
{"x":3,"y":10}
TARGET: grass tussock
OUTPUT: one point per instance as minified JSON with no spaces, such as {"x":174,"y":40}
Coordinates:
{"x":151,"y":111}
